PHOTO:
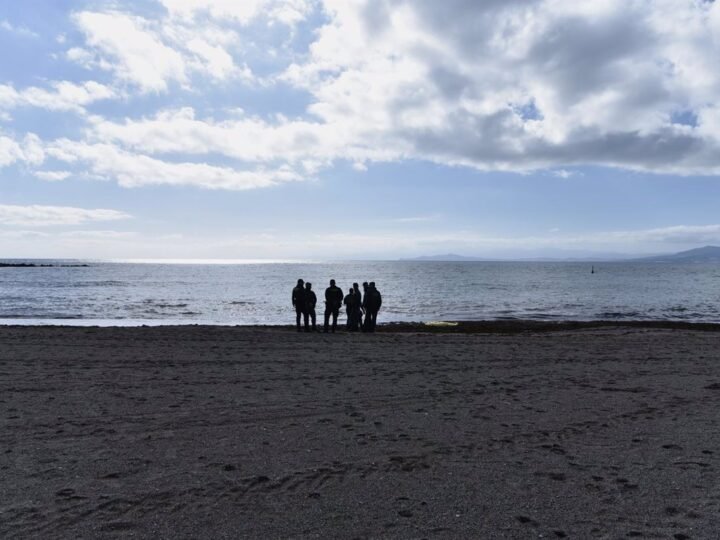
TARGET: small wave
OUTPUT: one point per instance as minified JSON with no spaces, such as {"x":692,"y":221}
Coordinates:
{"x":163,"y":305}
{"x":106,"y":283}
{"x":240,"y":303}
{"x":618,"y":314}
{"x":69,"y":316}
{"x":543,"y":316}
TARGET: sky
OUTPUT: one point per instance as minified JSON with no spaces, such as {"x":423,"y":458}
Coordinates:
{"x":358,"y":129}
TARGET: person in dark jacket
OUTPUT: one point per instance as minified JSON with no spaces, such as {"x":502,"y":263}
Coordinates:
{"x":310,"y":302}
{"x":349,"y":303}
{"x":356,"y":289}
{"x":333,"y":301}
{"x":363,"y":321}
{"x":357,"y":308}
{"x":372,"y":303}
{"x":298,"y":301}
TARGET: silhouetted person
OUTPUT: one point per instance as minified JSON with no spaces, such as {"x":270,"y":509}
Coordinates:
{"x":349,"y":303}
{"x":363,"y":321}
{"x":310,"y":302}
{"x":298,"y":301}
{"x":372,"y":303}
{"x":357,"y":314}
{"x":333,"y":301}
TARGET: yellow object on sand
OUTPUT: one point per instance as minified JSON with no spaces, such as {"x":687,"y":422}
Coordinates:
{"x":440,"y":323}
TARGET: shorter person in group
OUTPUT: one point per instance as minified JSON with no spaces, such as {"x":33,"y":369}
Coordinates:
{"x":333,"y":302}
{"x":363,"y":321}
{"x":372,"y":303}
{"x":310,"y":302}
{"x":357,"y":314}
{"x":349,"y":303}
{"x":298,"y":302}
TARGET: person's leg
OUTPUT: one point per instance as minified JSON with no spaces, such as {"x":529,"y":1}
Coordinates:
{"x":354,"y":320}
{"x":335,"y":314}
{"x":298,"y":315}
{"x":327,"y":320}
{"x":312,"y":316}
{"x":306,"y":315}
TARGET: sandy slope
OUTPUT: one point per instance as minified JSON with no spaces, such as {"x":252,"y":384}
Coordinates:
{"x":242,"y":432}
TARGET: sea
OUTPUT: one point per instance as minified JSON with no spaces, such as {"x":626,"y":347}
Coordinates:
{"x":127,"y":293}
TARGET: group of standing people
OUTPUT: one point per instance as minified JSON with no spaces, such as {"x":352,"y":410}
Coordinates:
{"x":361,"y":307}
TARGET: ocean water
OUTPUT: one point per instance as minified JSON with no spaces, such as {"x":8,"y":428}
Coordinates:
{"x":112,"y":293}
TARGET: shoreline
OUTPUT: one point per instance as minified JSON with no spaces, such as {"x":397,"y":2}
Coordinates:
{"x":490,"y":326}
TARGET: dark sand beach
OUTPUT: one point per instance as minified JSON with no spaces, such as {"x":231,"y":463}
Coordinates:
{"x":482,"y":431}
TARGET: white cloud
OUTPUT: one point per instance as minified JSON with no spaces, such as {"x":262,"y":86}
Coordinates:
{"x":563,"y":173}
{"x":520,"y":85}
{"x":217,"y":61}
{"x":100,"y":236}
{"x":134,"y":170}
{"x":150,"y":54}
{"x":52,"y":176}
{"x":513,"y":85}
{"x":247,"y":138}
{"x":286,"y":11}
{"x":417,"y":219}
{"x":41,"y":216}
{"x":10,"y":151}
{"x":29,"y":150}
{"x":220,"y":9}
{"x":498,"y":85}
{"x":134,"y":52}
{"x":678,"y":234}
{"x":64,"y":96}
{"x":18,"y":30}
{"x":391,"y":243}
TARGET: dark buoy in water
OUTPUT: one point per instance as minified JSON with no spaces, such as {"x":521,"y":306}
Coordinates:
{"x":592,"y":270}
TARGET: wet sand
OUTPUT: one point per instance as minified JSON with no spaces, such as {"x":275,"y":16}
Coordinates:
{"x":515,"y":431}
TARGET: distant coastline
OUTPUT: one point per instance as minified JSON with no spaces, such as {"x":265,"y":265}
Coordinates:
{"x":706,"y":254}
{"x":34,"y":265}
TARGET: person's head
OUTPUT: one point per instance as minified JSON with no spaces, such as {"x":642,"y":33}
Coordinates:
{"x":300,"y":282}
{"x":365,"y":284}
{"x":356,"y":286}
{"x":372,"y":284}
{"x":350,"y":290}
{"x":332,"y":282}
{"x":308,"y":285}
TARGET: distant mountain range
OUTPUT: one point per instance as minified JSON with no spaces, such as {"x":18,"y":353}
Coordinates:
{"x":707,"y":254}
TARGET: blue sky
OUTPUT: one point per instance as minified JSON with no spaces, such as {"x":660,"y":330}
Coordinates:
{"x":358,"y":128}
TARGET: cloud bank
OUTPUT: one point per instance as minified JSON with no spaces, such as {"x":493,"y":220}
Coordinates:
{"x":511,"y":85}
{"x":43,"y":216}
